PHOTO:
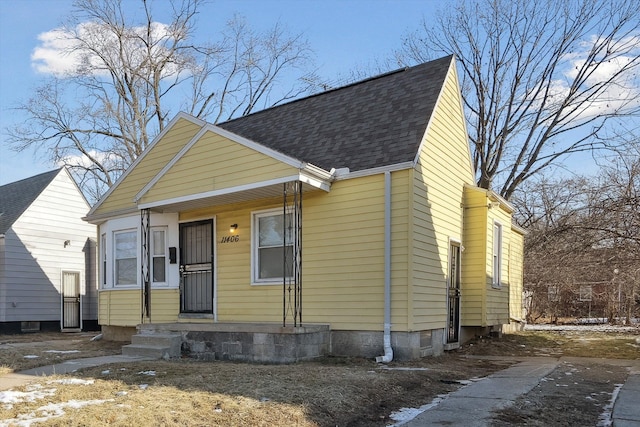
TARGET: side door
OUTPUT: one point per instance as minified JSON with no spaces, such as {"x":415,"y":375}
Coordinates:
{"x":453,"y":294}
{"x":70,"y":300}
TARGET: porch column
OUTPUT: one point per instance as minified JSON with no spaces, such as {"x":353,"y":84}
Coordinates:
{"x":145,"y":263}
{"x":292,"y":261}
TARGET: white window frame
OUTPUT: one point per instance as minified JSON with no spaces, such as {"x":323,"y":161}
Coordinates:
{"x":255,"y":239}
{"x":103,"y":260}
{"x":165,"y":255}
{"x":586,"y":292}
{"x":115,"y":259}
{"x":496,"y":262}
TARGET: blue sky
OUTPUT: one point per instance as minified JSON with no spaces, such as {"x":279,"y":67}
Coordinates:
{"x":345,"y":34}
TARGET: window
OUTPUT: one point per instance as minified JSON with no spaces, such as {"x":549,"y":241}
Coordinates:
{"x":497,"y":255}
{"x":269,"y":240}
{"x":103,"y":255}
{"x":158,"y":256}
{"x":586,"y":292}
{"x":125,"y":257}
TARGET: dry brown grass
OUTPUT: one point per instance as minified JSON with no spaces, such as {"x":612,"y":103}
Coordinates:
{"x":582,"y":343}
{"x":326,"y":392}
{"x":17,"y":351}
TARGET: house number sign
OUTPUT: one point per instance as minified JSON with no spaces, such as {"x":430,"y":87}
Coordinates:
{"x":230,"y":239}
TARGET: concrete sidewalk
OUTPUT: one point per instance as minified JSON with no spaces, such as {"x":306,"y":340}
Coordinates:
{"x":626,"y":409}
{"x":472,"y":406}
{"x":17,"y":379}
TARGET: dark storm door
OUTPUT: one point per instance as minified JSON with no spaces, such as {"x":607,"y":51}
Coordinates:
{"x":453,"y":293}
{"x":196,"y":267}
{"x":70,"y":300}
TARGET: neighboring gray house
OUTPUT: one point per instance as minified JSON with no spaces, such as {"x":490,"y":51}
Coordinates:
{"x":47,"y":256}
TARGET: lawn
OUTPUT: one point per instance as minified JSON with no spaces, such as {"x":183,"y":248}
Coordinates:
{"x":325,"y":392}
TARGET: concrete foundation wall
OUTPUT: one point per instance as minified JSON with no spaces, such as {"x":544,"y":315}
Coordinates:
{"x":467,"y":333}
{"x":513,"y":327}
{"x":268,"y":343}
{"x":261,"y":347}
{"x":118,"y":333}
{"x":405,"y":345}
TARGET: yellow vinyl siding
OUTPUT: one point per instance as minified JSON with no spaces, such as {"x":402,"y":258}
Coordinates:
{"x":516,"y":254}
{"x":497,"y":309}
{"x":483,"y":304}
{"x":121,"y":307}
{"x":442,"y":170}
{"x":158,"y":156}
{"x":475,"y":276}
{"x":343,"y":257}
{"x":199,"y":171}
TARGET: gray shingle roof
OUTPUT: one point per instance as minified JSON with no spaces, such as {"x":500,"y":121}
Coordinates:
{"x":17,"y":196}
{"x":376,"y":122}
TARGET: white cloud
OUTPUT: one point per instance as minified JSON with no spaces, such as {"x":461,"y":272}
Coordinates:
{"x":63,"y":53}
{"x":53,"y":55}
{"x":83,"y":161}
{"x":623,"y":92}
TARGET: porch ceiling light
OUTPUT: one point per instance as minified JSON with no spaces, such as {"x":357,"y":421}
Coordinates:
{"x":233,"y":228}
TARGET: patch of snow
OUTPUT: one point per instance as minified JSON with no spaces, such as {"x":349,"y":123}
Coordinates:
{"x":404,"y":415}
{"x":30,"y":356}
{"x":105,"y":372}
{"x":143,"y":386}
{"x":149,"y":373}
{"x":62,"y":351}
{"x":583,"y":327}
{"x":403,"y":368}
{"x":47,"y":412}
{"x":10,"y":397}
{"x":604,"y":420}
{"x":72,"y":381}
{"x":96,"y":338}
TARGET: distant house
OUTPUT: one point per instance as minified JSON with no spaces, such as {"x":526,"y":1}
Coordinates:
{"x":344,"y":223}
{"x":47,"y":256}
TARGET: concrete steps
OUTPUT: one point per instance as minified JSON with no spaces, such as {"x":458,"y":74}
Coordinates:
{"x":154,"y":345}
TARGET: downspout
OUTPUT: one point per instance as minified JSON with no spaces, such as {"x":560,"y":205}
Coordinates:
{"x":388,"y":351}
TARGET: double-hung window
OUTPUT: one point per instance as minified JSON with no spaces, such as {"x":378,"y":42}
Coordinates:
{"x":497,"y":255}
{"x":272,"y":244}
{"x":159,"y":255}
{"x":125,"y":249}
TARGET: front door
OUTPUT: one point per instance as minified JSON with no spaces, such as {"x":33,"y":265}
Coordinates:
{"x":453,"y":293}
{"x":70,"y":300}
{"x":196,"y":267}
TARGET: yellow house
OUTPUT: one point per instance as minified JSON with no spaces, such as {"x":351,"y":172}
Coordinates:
{"x":344,"y":223}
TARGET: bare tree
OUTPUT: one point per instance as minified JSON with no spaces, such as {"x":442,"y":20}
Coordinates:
{"x":541,"y":80}
{"x":125,"y":75}
{"x":584,"y":234}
